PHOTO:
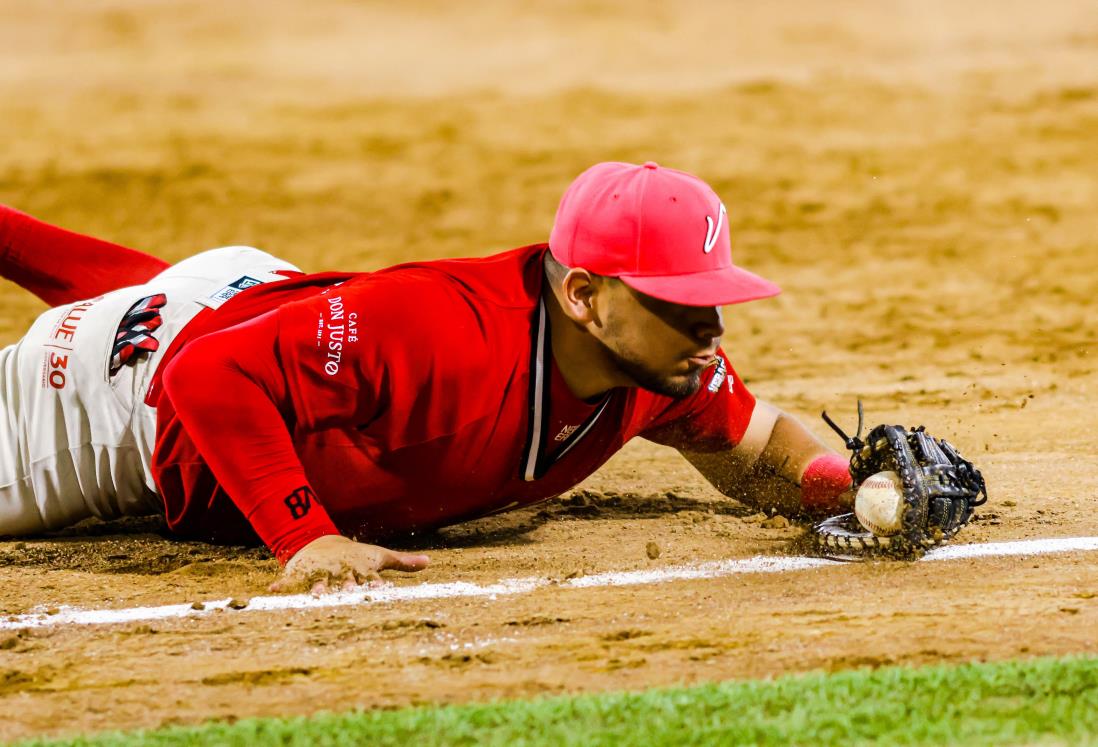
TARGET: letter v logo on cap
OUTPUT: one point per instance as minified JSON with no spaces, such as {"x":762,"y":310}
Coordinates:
{"x":713,"y":231}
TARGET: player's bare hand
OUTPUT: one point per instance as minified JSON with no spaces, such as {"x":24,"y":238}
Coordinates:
{"x":333,"y":563}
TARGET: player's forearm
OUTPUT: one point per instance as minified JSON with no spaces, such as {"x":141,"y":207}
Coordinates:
{"x":796,"y":472}
{"x":241,"y":433}
{"x":779,"y":465}
{"x":789,"y":450}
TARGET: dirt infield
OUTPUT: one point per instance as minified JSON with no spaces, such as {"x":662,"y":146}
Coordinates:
{"x":920,"y":179}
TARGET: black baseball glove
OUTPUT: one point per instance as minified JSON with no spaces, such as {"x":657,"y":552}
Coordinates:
{"x":940,"y":490}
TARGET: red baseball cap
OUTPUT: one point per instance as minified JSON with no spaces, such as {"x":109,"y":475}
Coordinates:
{"x":663,"y":232}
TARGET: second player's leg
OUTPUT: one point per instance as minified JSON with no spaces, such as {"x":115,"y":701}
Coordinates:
{"x":62,"y":266}
{"x":76,"y":437}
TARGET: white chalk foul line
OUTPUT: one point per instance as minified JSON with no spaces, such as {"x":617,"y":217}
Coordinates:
{"x":390,"y":594}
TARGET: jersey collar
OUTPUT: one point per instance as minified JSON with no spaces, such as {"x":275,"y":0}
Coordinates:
{"x":537,"y":460}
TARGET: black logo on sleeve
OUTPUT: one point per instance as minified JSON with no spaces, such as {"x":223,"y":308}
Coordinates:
{"x":300,"y":501}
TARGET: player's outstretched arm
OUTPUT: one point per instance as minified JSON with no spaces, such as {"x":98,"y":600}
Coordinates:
{"x":333,"y":562}
{"x":778,"y":465}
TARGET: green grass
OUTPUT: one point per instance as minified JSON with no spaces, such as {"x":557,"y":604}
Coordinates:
{"x":1042,"y":701}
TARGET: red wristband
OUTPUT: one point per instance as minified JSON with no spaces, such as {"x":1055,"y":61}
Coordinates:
{"x":824,"y":480}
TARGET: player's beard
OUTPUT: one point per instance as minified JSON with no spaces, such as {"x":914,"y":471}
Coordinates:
{"x":653,"y":381}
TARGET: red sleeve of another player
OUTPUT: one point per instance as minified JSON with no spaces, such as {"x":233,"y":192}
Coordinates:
{"x":712,"y":419}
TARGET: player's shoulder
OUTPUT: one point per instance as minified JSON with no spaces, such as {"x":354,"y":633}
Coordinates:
{"x":468,"y":312}
{"x":713,"y":418}
{"x":510,"y":279}
{"x":475,"y":295}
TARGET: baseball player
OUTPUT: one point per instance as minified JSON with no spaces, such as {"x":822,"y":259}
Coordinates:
{"x":318,"y":413}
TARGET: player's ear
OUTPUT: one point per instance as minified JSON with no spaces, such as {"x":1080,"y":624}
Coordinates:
{"x":579,"y":289}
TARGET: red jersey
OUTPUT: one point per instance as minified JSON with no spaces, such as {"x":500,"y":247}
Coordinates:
{"x":394,"y":402}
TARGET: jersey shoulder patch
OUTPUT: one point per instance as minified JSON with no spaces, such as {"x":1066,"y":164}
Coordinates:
{"x":720,"y":373}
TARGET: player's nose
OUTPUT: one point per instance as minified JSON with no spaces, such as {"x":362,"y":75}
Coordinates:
{"x":708,"y":326}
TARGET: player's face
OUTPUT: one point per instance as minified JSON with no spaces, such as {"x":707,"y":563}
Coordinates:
{"x":663,"y":347}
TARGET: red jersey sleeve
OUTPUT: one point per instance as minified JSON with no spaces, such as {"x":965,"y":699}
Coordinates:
{"x":230,"y":394}
{"x":712,"y":419}
{"x":369,"y":354}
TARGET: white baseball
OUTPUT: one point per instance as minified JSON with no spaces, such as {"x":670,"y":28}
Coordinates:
{"x":879,"y":504}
